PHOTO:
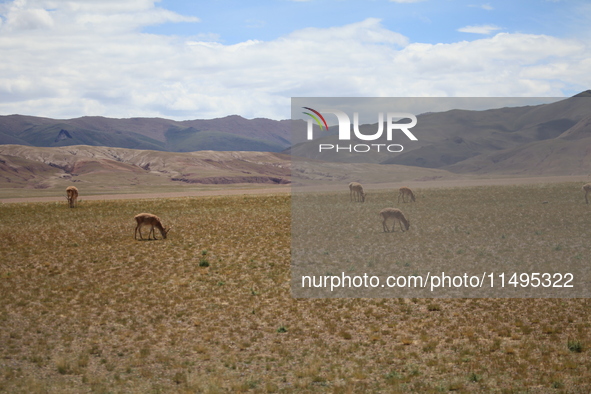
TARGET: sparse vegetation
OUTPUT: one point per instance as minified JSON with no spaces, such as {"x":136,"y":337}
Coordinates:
{"x":116,"y":315}
{"x":474,"y":377}
{"x":575,"y":346}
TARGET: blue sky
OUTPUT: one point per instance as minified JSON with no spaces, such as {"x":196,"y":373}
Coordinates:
{"x":423,"y":21}
{"x":199,"y":60}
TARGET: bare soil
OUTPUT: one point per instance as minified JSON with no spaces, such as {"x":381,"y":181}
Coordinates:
{"x":422,"y":184}
{"x":226,"y":192}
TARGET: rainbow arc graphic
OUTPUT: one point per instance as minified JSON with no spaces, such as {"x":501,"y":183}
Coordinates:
{"x":313,"y":116}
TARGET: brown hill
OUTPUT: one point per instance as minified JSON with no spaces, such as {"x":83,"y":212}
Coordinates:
{"x":580,"y":130}
{"x":104,"y":170}
{"x":543,"y":158}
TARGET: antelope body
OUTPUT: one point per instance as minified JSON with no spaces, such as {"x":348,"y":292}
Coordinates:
{"x":587,"y":189}
{"x":72,"y":195}
{"x":405,"y":191}
{"x":396,"y":215}
{"x":356,"y":192}
{"x":147,"y":219}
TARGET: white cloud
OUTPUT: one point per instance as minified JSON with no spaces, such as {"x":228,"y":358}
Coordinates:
{"x":486,"y":6}
{"x":18,"y":16}
{"x":367,"y":31}
{"x":98,"y":62}
{"x":479,"y":29}
{"x":97,"y":15}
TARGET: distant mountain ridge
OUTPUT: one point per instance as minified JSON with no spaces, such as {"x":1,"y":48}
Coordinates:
{"x":546,"y":139}
{"x":231,"y":133}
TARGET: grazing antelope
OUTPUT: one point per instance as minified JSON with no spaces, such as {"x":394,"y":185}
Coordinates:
{"x":72,"y":195}
{"x":147,"y":219}
{"x":356,"y":192}
{"x":405,"y":191}
{"x":396,"y":215}
{"x":587,"y":190}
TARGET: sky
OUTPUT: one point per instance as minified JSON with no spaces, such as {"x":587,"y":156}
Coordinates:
{"x":185,"y":59}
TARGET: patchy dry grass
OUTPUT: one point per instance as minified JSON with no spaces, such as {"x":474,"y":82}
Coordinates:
{"x":85,"y":308}
{"x":475,"y":230}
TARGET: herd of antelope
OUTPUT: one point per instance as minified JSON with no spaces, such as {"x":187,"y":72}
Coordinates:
{"x":357,"y":194}
{"x":142,"y":219}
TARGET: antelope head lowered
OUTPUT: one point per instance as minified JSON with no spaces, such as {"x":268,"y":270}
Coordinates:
{"x":147,"y":219}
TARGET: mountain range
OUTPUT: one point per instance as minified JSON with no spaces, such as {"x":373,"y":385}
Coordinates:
{"x":47,"y":154}
{"x":232,"y":133}
{"x":546,"y":139}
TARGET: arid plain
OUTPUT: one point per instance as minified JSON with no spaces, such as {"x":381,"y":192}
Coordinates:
{"x":86,"y":308}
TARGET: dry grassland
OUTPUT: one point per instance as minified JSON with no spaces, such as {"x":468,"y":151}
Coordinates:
{"x":541,"y":228}
{"x":85,"y":308}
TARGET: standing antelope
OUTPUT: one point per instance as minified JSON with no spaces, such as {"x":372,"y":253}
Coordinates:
{"x":356,"y":192}
{"x":587,"y":190}
{"x":72,"y":195}
{"x":147,"y":219}
{"x":405,"y":191}
{"x":396,"y":215}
